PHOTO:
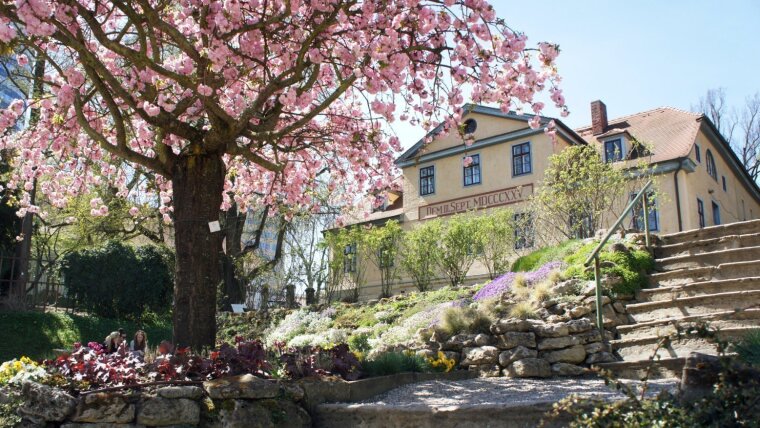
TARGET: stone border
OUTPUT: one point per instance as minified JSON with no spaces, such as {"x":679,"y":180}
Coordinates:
{"x":317,"y":391}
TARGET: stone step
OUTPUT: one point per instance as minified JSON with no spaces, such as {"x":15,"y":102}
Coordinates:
{"x":731,"y":270}
{"x":643,"y":348}
{"x":713,"y":258}
{"x":698,"y":288}
{"x":696,"y":305}
{"x":738,"y":228}
{"x":708,"y":245}
{"x":720,"y":320}
{"x":663,"y":368}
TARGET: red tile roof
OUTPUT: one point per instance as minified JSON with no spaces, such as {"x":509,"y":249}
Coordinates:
{"x":670,"y":131}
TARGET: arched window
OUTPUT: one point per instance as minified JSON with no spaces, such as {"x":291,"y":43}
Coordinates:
{"x":711,"y":165}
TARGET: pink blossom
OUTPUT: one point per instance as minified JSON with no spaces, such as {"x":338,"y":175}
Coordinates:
{"x":134,"y":211}
{"x":204,"y":90}
{"x":22,"y":60}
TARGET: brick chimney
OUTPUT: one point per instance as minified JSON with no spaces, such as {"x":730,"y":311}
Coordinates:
{"x":598,"y":117}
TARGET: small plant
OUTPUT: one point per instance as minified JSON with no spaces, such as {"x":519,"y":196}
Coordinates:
{"x":541,"y":292}
{"x":359,"y":342}
{"x":458,"y":320}
{"x":748,"y":349}
{"x":521,"y":292}
{"x":519,"y":281}
{"x":523,"y":311}
{"x":17,"y":370}
{"x":393,"y":362}
{"x":441,"y":363}
{"x":555,"y":276}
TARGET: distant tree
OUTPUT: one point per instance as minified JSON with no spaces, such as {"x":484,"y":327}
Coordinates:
{"x":495,"y":236}
{"x":383,"y":244}
{"x":739,"y":126}
{"x":421,"y":253}
{"x":459,"y":247}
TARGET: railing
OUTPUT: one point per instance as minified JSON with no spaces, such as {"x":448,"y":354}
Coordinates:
{"x":640,"y":197}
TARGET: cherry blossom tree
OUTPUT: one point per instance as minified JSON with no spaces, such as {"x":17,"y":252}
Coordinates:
{"x":249,"y":101}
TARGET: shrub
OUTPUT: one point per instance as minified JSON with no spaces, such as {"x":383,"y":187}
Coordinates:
{"x":544,"y":255}
{"x":748,"y":349}
{"x":119,"y":281}
{"x":359,"y":342}
{"x":458,"y":320}
{"x":441,"y":363}
{"x":541,"y":292}
{"x":16,"y":371}
{"x":523,"y":310}
{"x":630,"y":266}
{"x":393,"y":362}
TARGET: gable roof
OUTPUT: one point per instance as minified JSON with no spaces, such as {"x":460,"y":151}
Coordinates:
{"x":672,"y":132}
{"x":562,"y":129}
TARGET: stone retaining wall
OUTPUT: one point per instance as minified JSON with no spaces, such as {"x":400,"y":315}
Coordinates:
{"x":565,"y":342}
{"x":240,"y":401}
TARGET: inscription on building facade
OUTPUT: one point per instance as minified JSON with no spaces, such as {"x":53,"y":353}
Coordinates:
{"x":476,"y":202}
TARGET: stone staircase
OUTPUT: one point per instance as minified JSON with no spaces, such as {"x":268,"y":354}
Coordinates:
{"x":710,"y":274}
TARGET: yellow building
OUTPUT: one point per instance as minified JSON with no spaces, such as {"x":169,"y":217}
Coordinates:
{"x":701,"y":180}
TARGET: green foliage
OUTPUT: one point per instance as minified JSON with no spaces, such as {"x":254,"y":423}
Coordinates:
{"x":249,"y":325}
{"x":382,"y":247}
{"x":631,"y":266}
{"x":540,"y":257}
{"x":662,"y":411}
{"x":457,"y":320}
{"x":748,"y":348}
{"x":118,"y":281}
{"x":393,"y":362}
{"x":359,"y":342}
{"x":523,"y":310}
{"x":459,"y":247}
{"x":494,"y":235}
{"x":421,"y":255}
{"x":10,"y":224}
{"x":37,"y":334}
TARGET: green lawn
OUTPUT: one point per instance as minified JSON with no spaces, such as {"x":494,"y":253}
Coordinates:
{"x":36,"y":334}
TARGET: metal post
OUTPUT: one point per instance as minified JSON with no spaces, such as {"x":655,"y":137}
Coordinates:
{"x":646,"y":219}
{"x":598,"y":279}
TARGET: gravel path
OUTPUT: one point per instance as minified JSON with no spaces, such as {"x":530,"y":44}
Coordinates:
{"x":501,"y":390}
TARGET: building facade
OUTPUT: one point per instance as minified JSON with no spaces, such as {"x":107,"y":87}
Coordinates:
{"x":700,"y":181}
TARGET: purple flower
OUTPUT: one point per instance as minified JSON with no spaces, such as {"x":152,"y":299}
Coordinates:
{"x":502,"y":283}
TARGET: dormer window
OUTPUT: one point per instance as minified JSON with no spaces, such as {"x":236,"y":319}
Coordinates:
{"x":613,"y":150}
{"x":470,"y":125}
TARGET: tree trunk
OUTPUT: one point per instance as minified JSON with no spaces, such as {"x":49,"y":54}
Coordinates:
{"x":233,"y":289}
{"x":198,"y":183}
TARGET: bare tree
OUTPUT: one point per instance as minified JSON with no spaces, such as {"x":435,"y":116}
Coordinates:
{"x":739,"y":126}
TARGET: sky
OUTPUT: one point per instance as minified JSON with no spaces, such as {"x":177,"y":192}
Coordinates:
{"x":639,"y":55}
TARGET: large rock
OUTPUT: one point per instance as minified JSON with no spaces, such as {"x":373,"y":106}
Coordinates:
{"x":512,"y":324}
{"x":262,"y":413}
{"x":245,"y":386}
{"x":557,"y":342}
{"x":574,"y":354}
{"x":564,"y":369}
{"x":529,"y":367}
{"x":593,"y":348}
{"x":459,"y":342}
{"x":700,"y":373}
{"x":579,"y":311}
{"x":579,"y":326}
{"x":104,"y":408}
{"x":600,"y":357}
{"x":157,"y":411}
{"x":513,"y":339}
{"x":185,"y":391}
{"x":456,"y":356}
{"x":44,"y":403}
{"x":511,"y":355}
{"x":483,"y":339}
{"x":589,"y":337}
{"x":479,"y":356}
{"x":551,"y":330}
{"x":486,"y":370}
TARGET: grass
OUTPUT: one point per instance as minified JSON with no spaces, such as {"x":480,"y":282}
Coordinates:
{"x":523,"y":311}
{"x":630,"y":266}
{"x":393,"y":362}
{"x":536,"y":259}
{"x":465,"y":320}
{"x":37,"y":334}
{"x":748,"y":348}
